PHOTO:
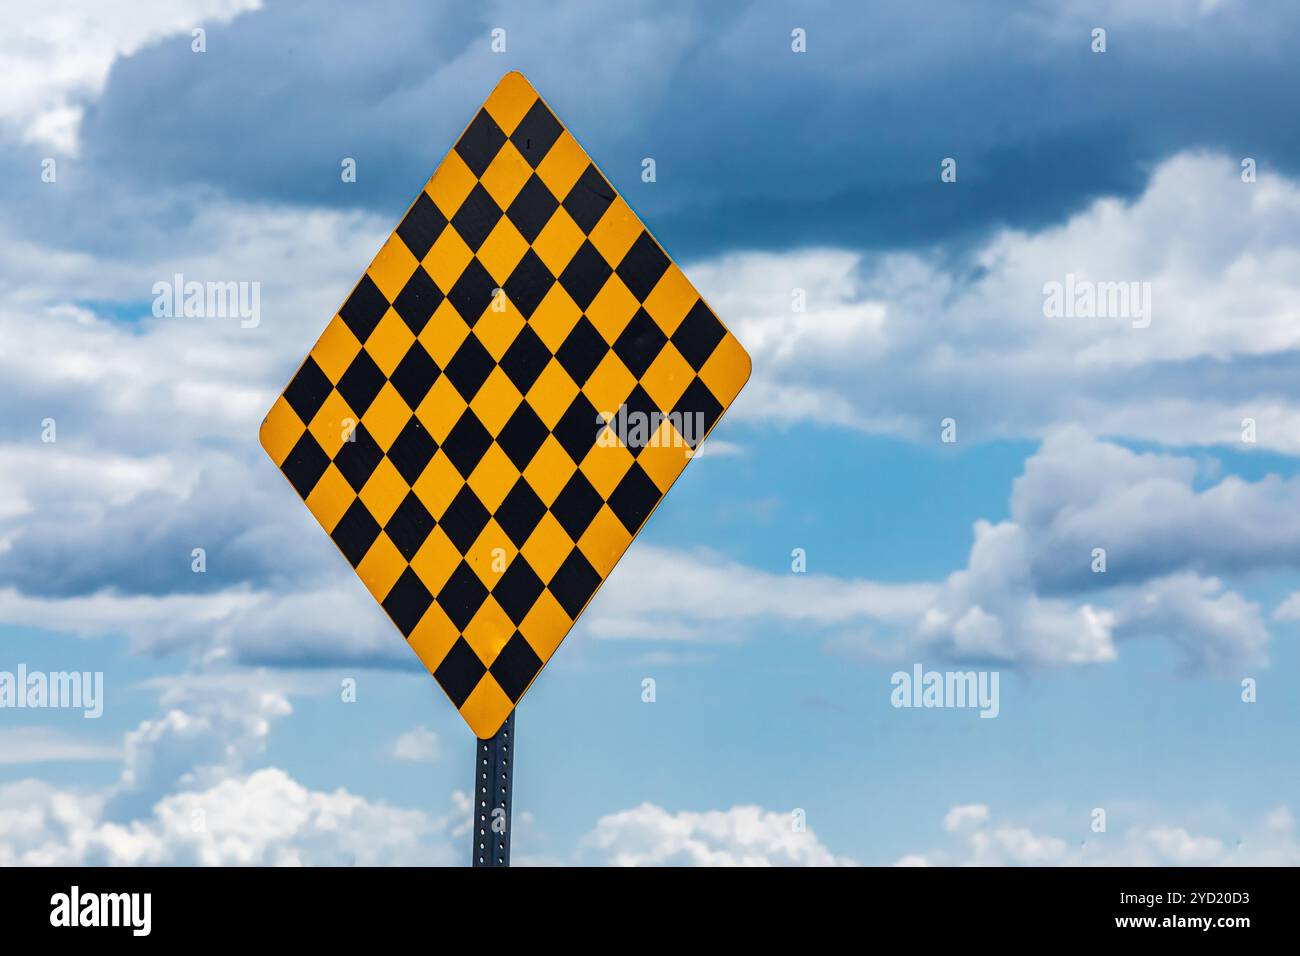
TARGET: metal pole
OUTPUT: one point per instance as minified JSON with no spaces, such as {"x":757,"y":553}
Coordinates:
{"x":493,"y":772}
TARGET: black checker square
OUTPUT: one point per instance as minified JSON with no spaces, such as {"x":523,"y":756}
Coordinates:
{"x":634,"y":498}
{"x":464,"y":519}
{"x":582,"y":350}
{"x":525,"y":360}
{"x":476,"y":217}
{"x":364,"y":308}
{"x":698,"y":335}
{"x":308,"y":390}
{"x":472,"y":292}
{"x":576,"y":505}
{"x":459,"y":672}
{"x":470,"y":367}
{"x":358,"y":457}
{"x":518,"y":589}
{"x":415,"y":375}
{"x":417,"y":300}
{"x":519,"y":512}
{"x":409,"y":525}
{"x":640,"y":407}
{"x":585,"y":274}
{"x":536,"y":134}
{"x":640,"y":343}
{"x":422,"y":226}
{"x":532,"y":209}
{"x":466,"y":443}
{"x":462,"y":596}
{"x":528,"y":284}
{"x":578,"y":428}
{"x":412,"y":450}
{"x":407,"y":601}
{"x":643,"y":266}
{"x":307,"y":461}
{"x":627,"y":314}
{"x":516,"y":666}
{"x":588,"y":199}
{"x":574,"y":583}
{"x":704,"y":407}
{"x":480,"y":142}
{"x":361,"y":382}
{"x":522,"y":435}
{"x":355,"y":532}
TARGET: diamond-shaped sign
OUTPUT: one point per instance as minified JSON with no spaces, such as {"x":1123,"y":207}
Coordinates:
{"x":506,"y":395}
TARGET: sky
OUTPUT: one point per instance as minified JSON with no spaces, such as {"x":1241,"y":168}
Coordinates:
{"x":922,"y":472}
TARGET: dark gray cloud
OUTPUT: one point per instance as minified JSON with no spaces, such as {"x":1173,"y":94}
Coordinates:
{"x":755,"y":145}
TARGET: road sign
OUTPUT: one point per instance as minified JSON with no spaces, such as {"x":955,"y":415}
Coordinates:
{"x":504,"y":397}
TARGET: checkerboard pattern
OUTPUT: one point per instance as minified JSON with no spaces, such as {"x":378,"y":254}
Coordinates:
{"x":446,"y":430}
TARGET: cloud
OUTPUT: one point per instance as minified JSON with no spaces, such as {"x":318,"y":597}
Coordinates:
{"x":984,"y":840}
{"x":896,"y":342}
{"x":37,"y":744}
{"x":58,"y":56}
{"x":649,"y":835}
{"x":417,"y":745}
{"x":966,"y":815}
{"x":189,"y":795}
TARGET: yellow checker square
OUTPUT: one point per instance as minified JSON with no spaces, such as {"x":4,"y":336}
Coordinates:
{"x":493,"y":477}
{"x":490,"y":554}
{"x":665,"y":455}
{"x":496,"y":401}
{"x":506,"y":175}
{"x":387,"y":415}
{"x":612,"y":309}
{"x":451,"y":183}
{"x":498,"y":330}
{"x":510,"y":101}
{"x":667,"y":377}
{"x":545,"y":626}
{"x":336,"y":349}
{"x":443,"y":334}
{"x":384,"y":491}
{"x":437,"y":485}
{"x":555,"y":317}
{"x":391,"y":269}
{"x":281,"y":431}
{"x":501,"y":251}
{"x":381,"y":567}
{"x":333,"y":424}
{"x":553,"y":393}
{"x":617,"y":230}
{"x":547,"y":547}
{"x":604,"y":541}
{"x":607,"y":463}
{"x":670,"y":299}
{"x":331,"y":497}
{"x":610,"y":385}
{"x":435,"y":561}
{"x":477,"y":533}
{"x":389,"y":342}
{"x":441,"y":409}
{"x":559,"y":239}
{"x":447,"y":259}
{"x":549,"y":471}
{"x":489,"y":630}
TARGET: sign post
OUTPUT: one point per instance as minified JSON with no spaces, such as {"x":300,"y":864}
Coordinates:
{"x":487,"y":422}
{"x":492,"y":783}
